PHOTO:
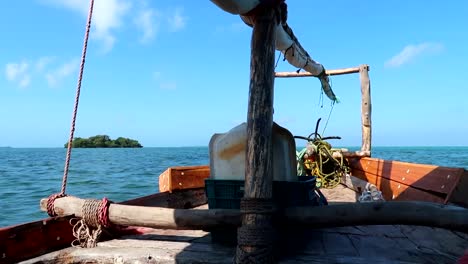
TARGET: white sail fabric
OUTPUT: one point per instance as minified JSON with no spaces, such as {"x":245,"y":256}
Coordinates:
{"x":286,"y":42}
{"x":236,"y":7}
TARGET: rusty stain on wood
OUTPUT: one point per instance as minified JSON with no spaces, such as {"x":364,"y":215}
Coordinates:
{"x":232,"y":151}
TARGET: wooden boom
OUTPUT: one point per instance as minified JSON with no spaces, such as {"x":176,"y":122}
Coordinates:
{"x":308,"y":74}
{"x":378,"y":213}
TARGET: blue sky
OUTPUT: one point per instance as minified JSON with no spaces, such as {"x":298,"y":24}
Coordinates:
{"x":173,"y":73}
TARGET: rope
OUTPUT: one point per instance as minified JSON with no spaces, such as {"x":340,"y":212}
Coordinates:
{"x":88,"y":229}
{"x":260,"y":237}
{"x":77,"y":99}
{"x":328,"y":118}
{"x":50,"y":203}
{"x":320,"y":153}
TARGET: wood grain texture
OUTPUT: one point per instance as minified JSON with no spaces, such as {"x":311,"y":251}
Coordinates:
{"x":40,"y":237}
{"x":259,"y":152}
{"x":181,"y":178}
{"x":459,"y":194}
{"x":366,"y":108}
{"x":308,"y":74}
{"x":431,"y":178}
{"x":380,"y":213}
{"x":154,"y":217}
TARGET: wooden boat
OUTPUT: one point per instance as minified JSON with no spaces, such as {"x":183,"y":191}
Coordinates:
{"x":427,"y":223}
{"x":49,"y":240}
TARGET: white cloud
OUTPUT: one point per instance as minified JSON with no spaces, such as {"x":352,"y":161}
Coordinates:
{"x":164,"y":83}
{"x":168,"y":85}
{"x":108,"y":16}
{"x":148,"y":23}
{"x":410,"y":52}
{"x":231,"y":28}
{"x":157,"y":75}
{"x":18,"y":72}
{"x":55,"y":76}
{"x":177,"y":20}
{"x":43,"y":62}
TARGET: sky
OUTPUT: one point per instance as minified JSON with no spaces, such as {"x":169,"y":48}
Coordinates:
{"x":172,"y":73}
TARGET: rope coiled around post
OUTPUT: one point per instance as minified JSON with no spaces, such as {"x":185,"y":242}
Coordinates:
{"x":95,"y":217}
{"x":262,"y":237}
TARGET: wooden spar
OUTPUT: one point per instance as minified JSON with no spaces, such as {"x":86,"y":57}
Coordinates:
{"x":308,"y":74}
{"x":379,"y":213}
{"x":259,"y":157}
{"x":366,"y":109}
{"x":366,"y":106}
{"x":155,"y":217}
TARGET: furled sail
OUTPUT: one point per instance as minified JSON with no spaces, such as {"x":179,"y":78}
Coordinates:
{"x":286,"y":42}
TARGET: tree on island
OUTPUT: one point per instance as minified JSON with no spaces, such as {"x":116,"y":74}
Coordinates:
{"x":104,"y":141}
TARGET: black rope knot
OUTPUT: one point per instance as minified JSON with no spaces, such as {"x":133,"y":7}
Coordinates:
{"x":260,"y":237}
{"x":257,"y":206}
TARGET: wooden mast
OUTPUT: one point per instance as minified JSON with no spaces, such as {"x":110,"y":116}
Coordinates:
{"x":258,"y":169}
{"x":366,"y":110}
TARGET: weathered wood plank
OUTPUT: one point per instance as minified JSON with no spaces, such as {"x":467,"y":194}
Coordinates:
{"x":181,"y":178}
{"x":338,"y":244}
{"x":259,"y":154}
{"x":154,"y":217}
{"x":366,"y":108}
{"x":370,"y":230}
{"x":380,"y":213}
{"x":308,"y":74}
{"x":436,"y":240}
{"x":392,"y":190}
{"x":312,"y":246}
{"x":182,"y":199}
{"x":398,"y":248}
{"x":33,"y":239}
{"x":339,"y":259}
{"x":427,"y":177}
{"x":135,"y":255}
{"x":459,"y":194}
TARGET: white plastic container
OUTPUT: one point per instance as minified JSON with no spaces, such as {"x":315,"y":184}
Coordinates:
{"x":227,"y":154}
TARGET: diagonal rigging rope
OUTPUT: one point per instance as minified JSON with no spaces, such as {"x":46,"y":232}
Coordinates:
{"x":77,"y":99}
{"x":50,"y":201}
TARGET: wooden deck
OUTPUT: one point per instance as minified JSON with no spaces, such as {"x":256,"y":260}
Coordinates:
{"x":357,"y":244}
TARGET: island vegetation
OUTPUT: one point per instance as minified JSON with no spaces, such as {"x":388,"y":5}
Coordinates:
{"x":104,"y":141}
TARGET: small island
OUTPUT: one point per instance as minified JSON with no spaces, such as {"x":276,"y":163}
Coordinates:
{"x":104,"y":141}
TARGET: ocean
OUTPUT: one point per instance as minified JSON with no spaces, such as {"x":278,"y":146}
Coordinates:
{"x":29,"y":174}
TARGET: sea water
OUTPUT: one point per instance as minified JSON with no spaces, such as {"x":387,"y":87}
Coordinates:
{"x":27,"y":175}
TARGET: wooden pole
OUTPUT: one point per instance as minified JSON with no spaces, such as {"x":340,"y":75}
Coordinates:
{"x":366,"y":109}
{"x":155,"y":217}
{"x":258,"y":160}
{"x":308,"y":74}
{"x":378,"y":213}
